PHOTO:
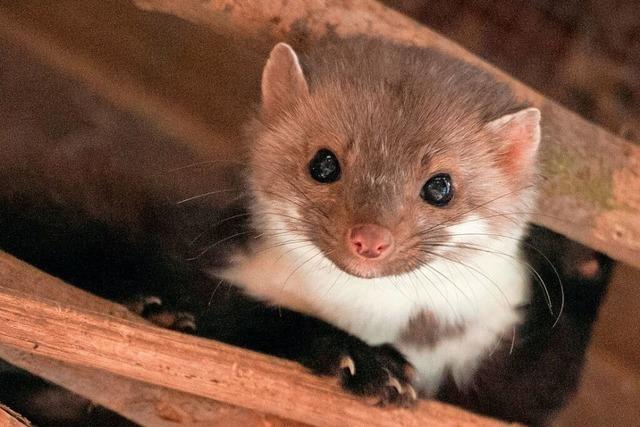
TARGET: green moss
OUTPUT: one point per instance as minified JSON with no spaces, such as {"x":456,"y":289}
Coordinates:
{"x":568,"y":176}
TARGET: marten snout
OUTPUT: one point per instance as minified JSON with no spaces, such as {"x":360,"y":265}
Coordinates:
{"x":370,"y":241}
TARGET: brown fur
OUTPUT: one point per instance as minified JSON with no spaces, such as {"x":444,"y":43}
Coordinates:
{"x":394,"y":116}
{"x":424,"y":330}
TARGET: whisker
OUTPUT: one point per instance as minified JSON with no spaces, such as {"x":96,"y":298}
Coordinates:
{"x":478,"y":271}
{"x":453,"y":310}
{"x":307,"y":243}
{"x":435,"y":270}
{"x":539,"y":279}
{"x":203,"y":163}
{"x":338,"y":276}
{"x":214,"y":291}
{"x":539,"y":252}
{"x":513,"y":339}
{"x":210,"y":193}
{"x":394,"y":282}
{"x":222,"y":221}
{"x":478,"y":207}
{"x":208,"y":248}
{"x":298,"y":268}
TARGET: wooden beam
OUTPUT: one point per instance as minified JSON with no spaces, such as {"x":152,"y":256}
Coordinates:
{"x":591,"y":189}
{"x":10,"y":418}
{"x":84,"y":335}
{"x":122,"y":91}
{"x":145,"y":404}
{"x":142,"y":403}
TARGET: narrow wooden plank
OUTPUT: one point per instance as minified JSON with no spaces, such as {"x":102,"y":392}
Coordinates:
{"x":10,"y":418}
{"x":134,"y":350}
{"x":591,"y":191}
{"x":143,"y":403}
{"x":123,"y":90}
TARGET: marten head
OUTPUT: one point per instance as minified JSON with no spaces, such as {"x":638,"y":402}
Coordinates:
{"x":386,"y":158}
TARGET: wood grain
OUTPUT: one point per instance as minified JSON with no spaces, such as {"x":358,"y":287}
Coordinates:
{"x":142,"y":403}
{"x":591,"y":191}
{"x":145,"y":404}
{"x":9,"y":418}
{"x":80,"y":335}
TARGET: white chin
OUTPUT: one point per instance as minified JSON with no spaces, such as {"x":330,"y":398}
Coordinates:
{"x":362,"y":271}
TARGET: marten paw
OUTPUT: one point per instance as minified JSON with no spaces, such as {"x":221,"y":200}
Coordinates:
{"x":380,"y":374}
{"x":152,"y":309}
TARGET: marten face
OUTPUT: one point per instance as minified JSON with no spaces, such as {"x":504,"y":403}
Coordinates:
{"x":384,"y":176}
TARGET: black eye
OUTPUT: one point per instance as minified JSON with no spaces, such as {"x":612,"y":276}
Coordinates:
{"x":438,"y":190}
{"x":324,"y":167}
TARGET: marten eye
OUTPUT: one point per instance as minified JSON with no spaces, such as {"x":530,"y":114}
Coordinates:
{"x":324,"y":167}
{"x":438,"y":190}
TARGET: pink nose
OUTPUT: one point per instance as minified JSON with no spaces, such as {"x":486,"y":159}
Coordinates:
{"x":370,"y":241}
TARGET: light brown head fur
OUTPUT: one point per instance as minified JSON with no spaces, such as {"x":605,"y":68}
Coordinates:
{"x":394,"y":116}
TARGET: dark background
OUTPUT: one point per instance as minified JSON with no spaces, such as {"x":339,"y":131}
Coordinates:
{"x":105,"y":72}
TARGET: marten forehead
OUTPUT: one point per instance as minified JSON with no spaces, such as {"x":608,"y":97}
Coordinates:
{"x":379,"y":139}
{"x":382,"y":121}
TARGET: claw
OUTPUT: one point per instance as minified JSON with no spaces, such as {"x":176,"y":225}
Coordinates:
{"x":141,"y":304}
{"x":393,"y":382}
{"x":347,"y":363}
{"x":372,"y":400}
{"x":411,"y":392}
{"x":185,"y":322}
{"x":152,"y":300}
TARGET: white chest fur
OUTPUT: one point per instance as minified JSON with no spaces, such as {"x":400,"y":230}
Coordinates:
{"x":482,"y":294}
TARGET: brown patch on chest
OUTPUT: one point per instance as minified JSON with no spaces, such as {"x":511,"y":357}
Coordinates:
{"x":425,"y":330}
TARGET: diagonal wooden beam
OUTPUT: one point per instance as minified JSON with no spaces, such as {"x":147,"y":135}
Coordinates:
{"x":591,"y":191}
{"x":9,"y":418}
{"x":91,"y":333}
{"x":143,"y":403}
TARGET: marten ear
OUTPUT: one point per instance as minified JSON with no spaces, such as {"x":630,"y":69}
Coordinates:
{"x":282,"y":80}
{"x":519,"y":134}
